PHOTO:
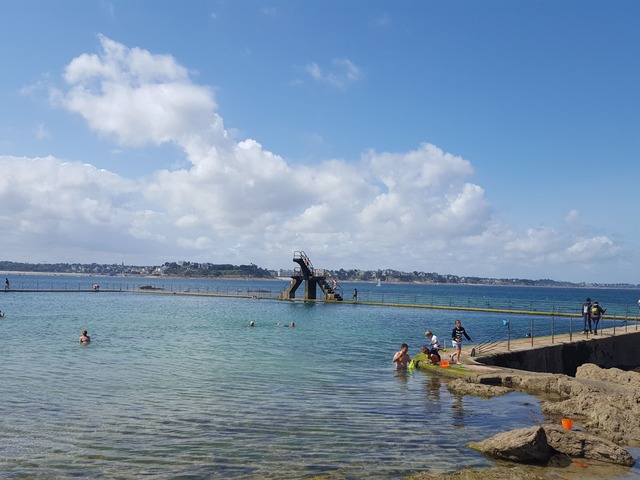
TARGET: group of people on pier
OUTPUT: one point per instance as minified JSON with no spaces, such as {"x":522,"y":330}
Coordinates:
{"x":433,"y":348}
{"x":592,"y":313}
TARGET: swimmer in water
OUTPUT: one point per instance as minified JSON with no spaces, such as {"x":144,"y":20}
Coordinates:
{"x":84,"y":338}
{"x":402,"y":358}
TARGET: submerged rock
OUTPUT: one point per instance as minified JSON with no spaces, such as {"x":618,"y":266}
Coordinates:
{"x":563,"y":468}
{"x":496,"y":473}
{"x":463,"y":387}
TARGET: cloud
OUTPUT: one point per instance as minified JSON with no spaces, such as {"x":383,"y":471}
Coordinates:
{"x":382,"y":21}
{"x":233,"y":201}
{"x":270,"y":11}
{"x":342,"y":74}
{"x":51,"y":206}
{"x":35,"y":88}
{"x":590,"y":249}
{"x":108,"y":8}
{"x":41,"y":132}
{"x":135,"y":97}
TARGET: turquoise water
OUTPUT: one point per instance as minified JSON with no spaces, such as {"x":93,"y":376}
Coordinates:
{"x":176,"y":386}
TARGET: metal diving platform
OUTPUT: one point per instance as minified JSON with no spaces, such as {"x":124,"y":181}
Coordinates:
{"x":312,"y":278}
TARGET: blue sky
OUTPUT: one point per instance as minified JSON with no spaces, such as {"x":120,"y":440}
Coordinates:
{"x":480,"y":138}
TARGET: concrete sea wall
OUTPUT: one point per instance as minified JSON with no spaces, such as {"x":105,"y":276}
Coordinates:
{"x":620,"y":351}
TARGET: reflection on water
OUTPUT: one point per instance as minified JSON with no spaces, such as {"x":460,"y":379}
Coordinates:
{"x":458,"y":411}
{"x":178,"y":386}
{"x":403,"y":377}
{"x":433,"y":384}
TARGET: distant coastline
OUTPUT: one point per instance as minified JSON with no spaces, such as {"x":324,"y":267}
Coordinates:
{"x":186,"y":269}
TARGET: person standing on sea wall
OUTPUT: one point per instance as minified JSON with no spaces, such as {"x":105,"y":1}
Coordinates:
{"x":6,"y":284}
{"x":586,"y":315}
{"x":596,"y":315}
{"x":456,"y":340}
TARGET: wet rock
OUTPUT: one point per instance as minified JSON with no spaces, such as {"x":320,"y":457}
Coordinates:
{"x":524,"y":445}
{"x":578,"y":444}
{"x":464,"y":387}
{"x":541,"y":443}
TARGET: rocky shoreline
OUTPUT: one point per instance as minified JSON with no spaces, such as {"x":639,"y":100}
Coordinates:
{"x":603,"y":403}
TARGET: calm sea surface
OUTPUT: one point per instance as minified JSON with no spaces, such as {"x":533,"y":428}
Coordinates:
{"x":176,"y":386}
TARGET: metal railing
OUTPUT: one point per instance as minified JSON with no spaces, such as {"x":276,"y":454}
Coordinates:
{"x":551,"y":327}
{"x":460,"y":302}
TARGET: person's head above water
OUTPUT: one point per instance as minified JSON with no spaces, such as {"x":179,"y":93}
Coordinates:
{"x":84,"y":338}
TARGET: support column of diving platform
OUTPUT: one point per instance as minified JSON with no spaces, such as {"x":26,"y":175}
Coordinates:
{"x":312,"y":278}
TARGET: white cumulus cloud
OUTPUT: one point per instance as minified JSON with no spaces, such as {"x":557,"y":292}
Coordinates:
{"x":234,"y":201}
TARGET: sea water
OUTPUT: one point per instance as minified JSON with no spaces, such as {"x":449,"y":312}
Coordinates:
{"x":177,"y":386}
